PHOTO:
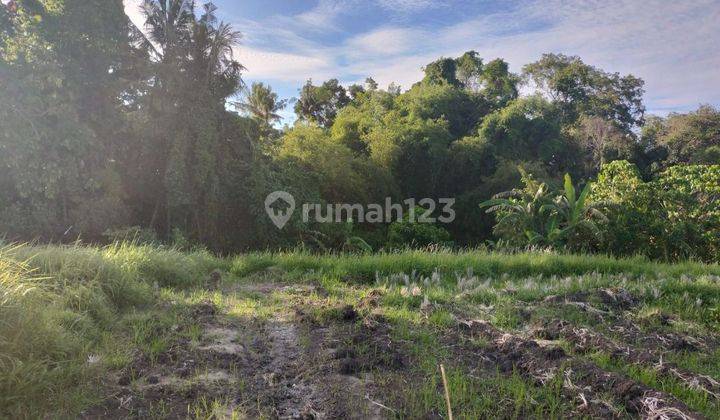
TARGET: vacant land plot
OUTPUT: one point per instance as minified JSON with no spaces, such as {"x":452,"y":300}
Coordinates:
{"x":131,"y":331}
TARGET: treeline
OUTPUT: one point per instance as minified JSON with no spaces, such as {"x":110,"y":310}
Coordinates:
{"x":108,"y":131}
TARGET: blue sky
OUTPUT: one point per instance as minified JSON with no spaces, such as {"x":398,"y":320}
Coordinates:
{"x":673,"y":45}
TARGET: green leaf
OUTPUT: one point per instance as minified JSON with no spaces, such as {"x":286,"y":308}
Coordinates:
{"x":584,"y":195}
{"x":494,"y":202}
{"x":569,"y":190}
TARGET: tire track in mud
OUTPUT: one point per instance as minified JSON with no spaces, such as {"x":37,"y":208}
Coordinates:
{"x":304,"y":381}
{"x":289,"y":395}
{"x":277,"y":368}
{"x":582,"y":380}
{"x":299,"y":375}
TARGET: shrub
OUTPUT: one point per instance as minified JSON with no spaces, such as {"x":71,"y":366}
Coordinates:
{"x":521,"y":214}
{"x":407,"y":233}
{"x":628,"y":200}
{"x":690,"y":205}
{"x":673,"y":217}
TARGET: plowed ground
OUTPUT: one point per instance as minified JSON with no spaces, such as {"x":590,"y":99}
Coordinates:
{"x":264,"y":346}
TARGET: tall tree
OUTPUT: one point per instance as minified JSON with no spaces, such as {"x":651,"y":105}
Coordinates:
{"x":693,"y":137}
{"x":166,"y":38}
{"x":320,"y":104}
{"x":499,"y":85}
{"x":442,"y":71}
{"x":262,"y":104}
{"x":193,"y":74}
{"x":60,"y":84}
{"x":470,"y":70}
{"x":583,"y":89}
{"x":602,"y":141}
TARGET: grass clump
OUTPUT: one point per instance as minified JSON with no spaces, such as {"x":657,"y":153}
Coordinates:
{"x":61,"y":317}
{"x":40,"y":359}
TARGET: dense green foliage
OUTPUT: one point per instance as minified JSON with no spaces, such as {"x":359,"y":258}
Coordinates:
{"x":672,"y":217}
{"x":533,"y":216}
{"x":107,"y":128}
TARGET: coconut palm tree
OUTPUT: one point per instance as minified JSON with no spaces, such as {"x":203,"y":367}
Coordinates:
{"x":165,"y":38}
{"x":176,"y":40}
{"x":167,"y":29}
{"x":262,"y":104}
{"x":211,"y":54}
{"x":193,"y":73}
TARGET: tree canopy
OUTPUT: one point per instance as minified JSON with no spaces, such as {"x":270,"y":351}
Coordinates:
{"x":105,"y":126}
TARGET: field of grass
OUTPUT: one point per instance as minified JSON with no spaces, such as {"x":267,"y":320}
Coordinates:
{"x":135,"y":331}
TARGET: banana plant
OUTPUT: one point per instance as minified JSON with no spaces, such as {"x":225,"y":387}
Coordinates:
{"x":577,"y":218}
{"x":523,"y":215}
{"x":534,"y":216}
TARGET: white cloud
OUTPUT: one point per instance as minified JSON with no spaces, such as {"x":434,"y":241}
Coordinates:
{"x":322,"y":16}
{"x":283,"y":66}
{"x":385,"y":41}
{"x":672,"y":46}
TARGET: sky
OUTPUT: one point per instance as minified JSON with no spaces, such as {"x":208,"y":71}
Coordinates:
{"x":673,"y":45}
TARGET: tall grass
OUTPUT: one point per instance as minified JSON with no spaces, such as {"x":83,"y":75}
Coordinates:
{"x":57,"y":306}
{"x":38,"y":358}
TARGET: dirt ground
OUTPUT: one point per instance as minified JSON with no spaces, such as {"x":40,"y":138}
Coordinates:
{"x":284,"y":367}
{"x":294,"y":364}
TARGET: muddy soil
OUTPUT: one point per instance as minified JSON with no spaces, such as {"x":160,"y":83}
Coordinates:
{"x":285,"y":368}
{"x":296,"y":365}
{"x":598,"y":393}
{"x":586,"y":341}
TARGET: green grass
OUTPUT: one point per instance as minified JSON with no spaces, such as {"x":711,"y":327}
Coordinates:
{"x":62,"y":308}
{"x":61,"y":305}
{"x":364,"y":268}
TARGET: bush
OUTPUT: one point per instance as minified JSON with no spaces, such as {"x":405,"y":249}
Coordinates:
{"x":690,"y":203}
{"x":534,"y":216}
{"x":673,"y":217}
{"x":627,"y":201}
{"x":413,"y":234}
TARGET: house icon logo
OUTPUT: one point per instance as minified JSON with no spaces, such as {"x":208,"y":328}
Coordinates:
{"x":280,"y":206}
